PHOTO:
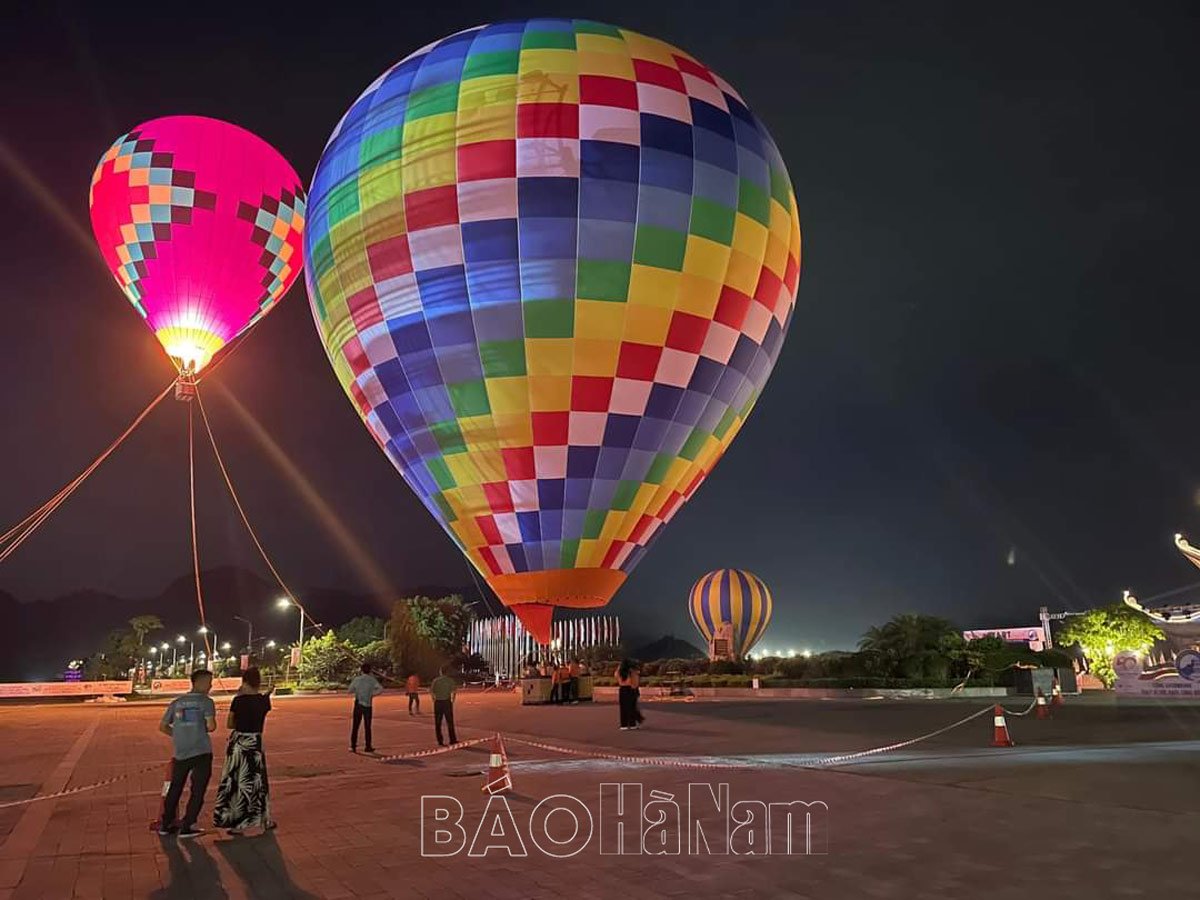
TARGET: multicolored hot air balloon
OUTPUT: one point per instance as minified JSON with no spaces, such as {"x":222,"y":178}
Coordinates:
{"x":737,"y":597}
{"x":200,"y":222}
{"x":552,"y":263}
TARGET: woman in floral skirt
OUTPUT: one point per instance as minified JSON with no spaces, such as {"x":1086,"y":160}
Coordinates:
{"x":242,"y":796}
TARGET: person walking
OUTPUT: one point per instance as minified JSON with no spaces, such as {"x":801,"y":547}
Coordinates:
{"x":188,"y":721}
{"x":413,"y":687}
{"x":442,"y":689}
{"x":626,"y":698}
{"x":555,"y":683}
{"x":365,"y":687}
{"x":243,"y":793}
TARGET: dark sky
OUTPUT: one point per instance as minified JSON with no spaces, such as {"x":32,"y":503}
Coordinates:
{"x":995,"y":343}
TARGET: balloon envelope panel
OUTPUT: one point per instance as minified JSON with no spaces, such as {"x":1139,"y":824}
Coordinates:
{"x":200,"y":223}
{"x":735,"y":596}
{"x":552,"y":263}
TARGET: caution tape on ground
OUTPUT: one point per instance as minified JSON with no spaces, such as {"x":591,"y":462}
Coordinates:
{"x":435,"y":751}
{"x":660,"y":761}
{"x":82,"y":788}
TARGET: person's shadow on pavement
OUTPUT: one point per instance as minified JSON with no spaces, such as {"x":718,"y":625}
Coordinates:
{"x":193,"y":872}
{"x":260,"y":865}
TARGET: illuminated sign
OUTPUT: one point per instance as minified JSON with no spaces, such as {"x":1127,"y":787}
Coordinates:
{"x":1034,"y":637}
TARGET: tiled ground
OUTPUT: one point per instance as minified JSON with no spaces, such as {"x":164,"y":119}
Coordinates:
{"x":1103,"y":801}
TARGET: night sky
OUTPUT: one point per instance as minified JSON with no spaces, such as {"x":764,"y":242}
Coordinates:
{"x":994,"y":345}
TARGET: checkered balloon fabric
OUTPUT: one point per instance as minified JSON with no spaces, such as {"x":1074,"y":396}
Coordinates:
{"x":200,"y":222}
{"x":552,"y":263}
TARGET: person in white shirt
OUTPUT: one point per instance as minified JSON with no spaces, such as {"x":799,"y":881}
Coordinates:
{"x":365,"y":688}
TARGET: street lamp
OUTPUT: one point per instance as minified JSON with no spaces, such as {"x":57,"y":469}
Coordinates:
{"x":175,"y":659}
{"x":205,"y":630}
{"x":284,"y":603}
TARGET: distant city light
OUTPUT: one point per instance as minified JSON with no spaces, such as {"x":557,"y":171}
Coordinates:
{"x":807,"y":654}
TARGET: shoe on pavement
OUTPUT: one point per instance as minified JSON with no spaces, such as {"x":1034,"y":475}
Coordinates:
{"x":167,"y":830}
{"x":190,"y":831}
{"x":368,"y":750}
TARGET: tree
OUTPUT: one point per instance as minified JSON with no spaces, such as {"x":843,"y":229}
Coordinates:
{"x":361,"y":631}
{"x":426,"y":634}
{"x":1105,"y":632}
{"x":912,"y":646}
{"x":326,"y":659}
{"x":142,"y":626}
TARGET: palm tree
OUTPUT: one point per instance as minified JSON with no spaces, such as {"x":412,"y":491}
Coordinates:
{"x":142,"y":626}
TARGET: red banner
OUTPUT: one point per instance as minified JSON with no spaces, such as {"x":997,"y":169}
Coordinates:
{"x":65,"y":688}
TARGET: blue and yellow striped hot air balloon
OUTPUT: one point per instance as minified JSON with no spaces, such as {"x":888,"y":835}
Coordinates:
{"x":735,"y":596}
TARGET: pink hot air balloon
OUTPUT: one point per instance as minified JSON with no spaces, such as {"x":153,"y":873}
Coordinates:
{"x":200,"y":222}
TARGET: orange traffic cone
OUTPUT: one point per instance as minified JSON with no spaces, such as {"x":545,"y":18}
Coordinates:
{"x":498,"y":779}
{"x":1043,"y":711}
{"x":1056,"y":696}
{"x":1000,"y":736}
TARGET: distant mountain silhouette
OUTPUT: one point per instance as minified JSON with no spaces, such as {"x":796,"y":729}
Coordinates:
{"x":38,"y":639}
{"x":669,"y":647}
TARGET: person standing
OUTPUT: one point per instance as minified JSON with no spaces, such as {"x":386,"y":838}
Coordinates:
{"x":442,"y":689}
{"x":188,"y":721}
{"x":626,"y":698}
{"x":635,"y":676}
{"x":413,"y":687}
{"x":573,"y":681}
{"x":365,"y":687}
{"x":243,"y":794}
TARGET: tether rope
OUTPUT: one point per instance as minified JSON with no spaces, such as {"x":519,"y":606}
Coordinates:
{"x":17,"y":534}
{"x":195,"y":543}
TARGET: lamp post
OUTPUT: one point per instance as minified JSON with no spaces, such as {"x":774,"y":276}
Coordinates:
{"x":175,"y":662}
{"x":249,"y":633}
{"x":284,"y":603}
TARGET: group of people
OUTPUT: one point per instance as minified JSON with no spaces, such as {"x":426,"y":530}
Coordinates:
{"x":564,"y":677}
{"x":244,"y":791}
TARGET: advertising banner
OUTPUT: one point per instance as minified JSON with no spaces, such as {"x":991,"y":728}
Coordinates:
{"x":183,"y":685}
{"x":1035,"y":637}
{"x":64,"y":688}
{"x":1178,"y":679}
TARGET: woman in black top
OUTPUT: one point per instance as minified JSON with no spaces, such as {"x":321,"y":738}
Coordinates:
{"x":243,"y":794}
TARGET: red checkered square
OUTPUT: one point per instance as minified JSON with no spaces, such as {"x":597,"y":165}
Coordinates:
{"x":691,"y":67}
{"x":649,"y":72}
{"x":768,"y":291}
{"x":604,"y":90}
{"x":590,"y":393}
{"x":518,"y":463}
{"x":489,"y":560}
{"x":732,"y":307}
{"x":547,"y":120}
{"x":487,"y":527}
{"x":498,"y":496}
{"x":364,"y":308}
{"x":550,"y":428}
{"x":431,"y":207}
{"x":686,"y":332}
{"x":356,"y":356}
{"x":390,"y":258}
{"x":638,"y":361}
{"x":486,"y":160}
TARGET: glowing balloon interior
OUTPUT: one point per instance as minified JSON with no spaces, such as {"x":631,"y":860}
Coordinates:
{"x":200,"y":223}
{"x":552,"y":263}
{"x":734,"y":596}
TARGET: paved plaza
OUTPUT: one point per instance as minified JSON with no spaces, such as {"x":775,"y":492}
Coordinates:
{"x":1101,"y":801}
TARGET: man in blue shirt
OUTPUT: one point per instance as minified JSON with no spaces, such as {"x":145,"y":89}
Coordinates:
{"x":365,"y":689}
{"x":188,"y":721}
